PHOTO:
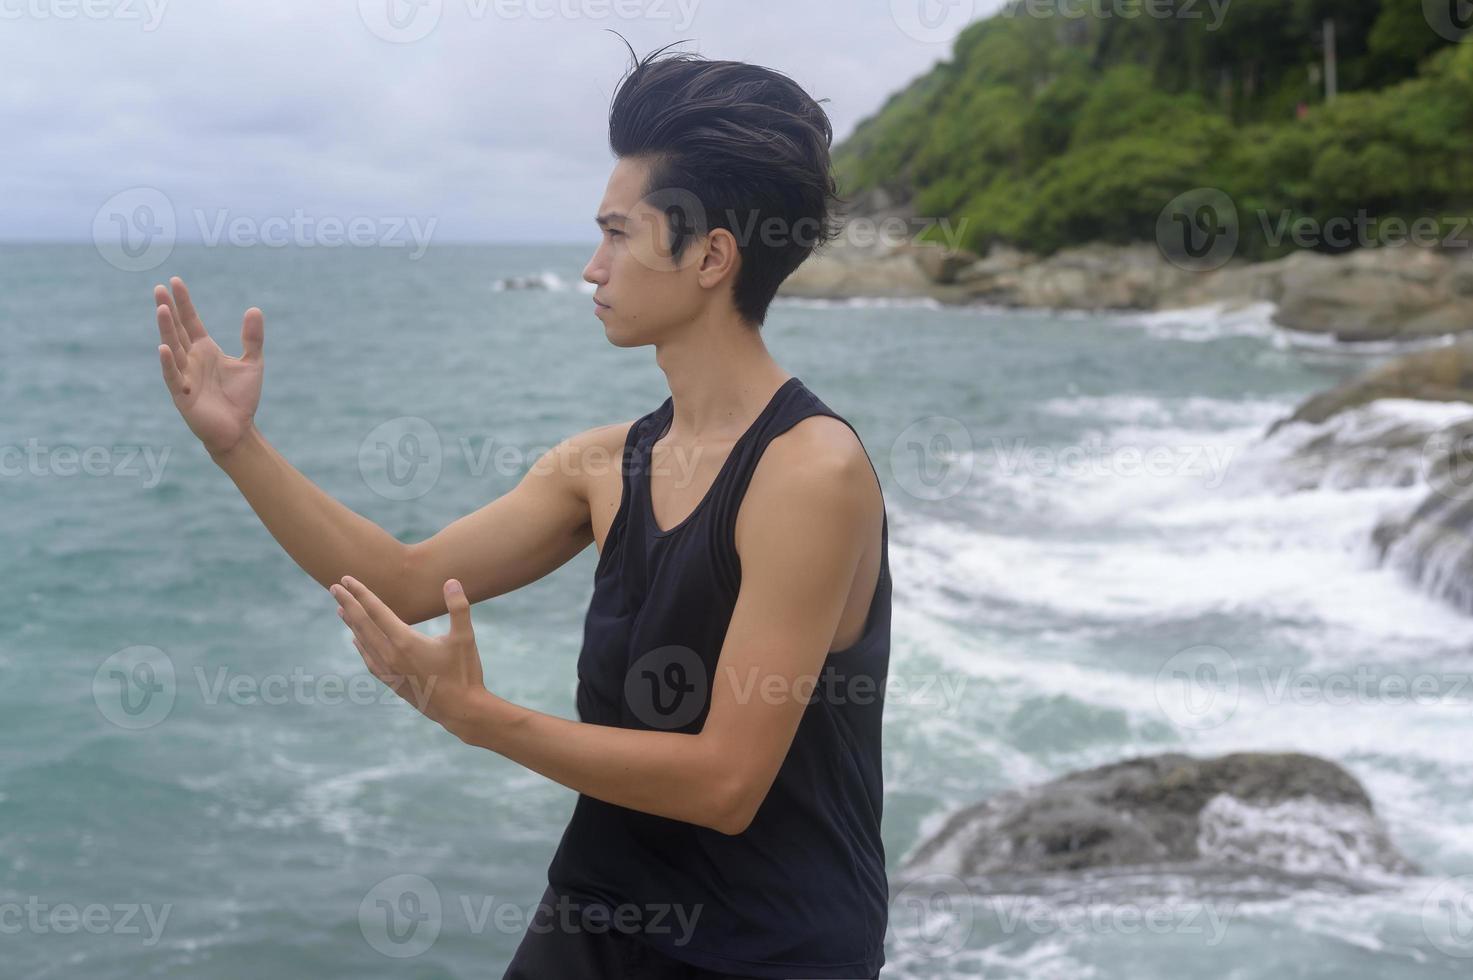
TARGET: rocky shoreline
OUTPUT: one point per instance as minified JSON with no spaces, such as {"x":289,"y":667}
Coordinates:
{"x":1296,"y":814}
{"x":1407,"y":293}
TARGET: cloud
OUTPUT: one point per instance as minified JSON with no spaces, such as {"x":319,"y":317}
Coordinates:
{"x":494,"y":122}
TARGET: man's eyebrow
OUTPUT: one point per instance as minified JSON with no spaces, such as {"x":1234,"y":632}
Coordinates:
{"x":603,"y":220}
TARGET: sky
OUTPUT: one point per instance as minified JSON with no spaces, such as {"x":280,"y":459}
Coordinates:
{"x":470,"y":120}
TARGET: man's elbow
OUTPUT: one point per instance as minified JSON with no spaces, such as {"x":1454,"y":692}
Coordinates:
{"x":736,"y":810}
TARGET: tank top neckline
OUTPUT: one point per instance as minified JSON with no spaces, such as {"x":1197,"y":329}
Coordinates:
{"x":663,"y":418}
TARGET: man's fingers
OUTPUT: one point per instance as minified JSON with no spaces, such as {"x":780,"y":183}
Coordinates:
{"x":188,"y":315}
{"x":172,"y":377}
{"x":162,"y":297}
{"x":374,"y":665}
{"x":353,"y":613}
{"x":252,"y":335}
{"x":170,"y":334}
{"x":459,"y":607}
{"x":373,"y":607}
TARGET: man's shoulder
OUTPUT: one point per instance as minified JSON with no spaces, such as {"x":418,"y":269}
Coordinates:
{"x":610,"y":437}
{"x":818,"y":458}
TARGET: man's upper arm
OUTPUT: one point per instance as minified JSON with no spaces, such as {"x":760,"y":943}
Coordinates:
{"x":804,"y":526}
{"x":519,"y":537}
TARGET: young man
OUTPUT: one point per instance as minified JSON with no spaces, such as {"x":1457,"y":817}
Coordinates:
{"x":730,"y":684}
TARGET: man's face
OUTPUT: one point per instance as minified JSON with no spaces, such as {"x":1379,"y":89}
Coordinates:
{"x":645,"y":295}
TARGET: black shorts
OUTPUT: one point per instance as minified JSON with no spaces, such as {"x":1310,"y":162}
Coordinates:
{"x":551,"y":953}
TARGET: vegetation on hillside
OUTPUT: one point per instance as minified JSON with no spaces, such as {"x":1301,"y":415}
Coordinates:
{"x":1046,"y":131}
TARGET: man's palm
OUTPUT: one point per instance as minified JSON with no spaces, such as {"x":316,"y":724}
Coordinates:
{"x":217,"y":394}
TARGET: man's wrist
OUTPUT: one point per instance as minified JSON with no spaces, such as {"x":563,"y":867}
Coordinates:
{"x":480,"y":720}
{"x":252,"y":437}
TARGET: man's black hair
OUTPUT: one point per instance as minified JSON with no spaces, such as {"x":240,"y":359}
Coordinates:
{"x":743,"y":143}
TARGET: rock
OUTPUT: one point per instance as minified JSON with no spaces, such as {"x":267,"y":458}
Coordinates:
{"x":1290,"y":812}
{"x":1406,"y":293}
{"x":1088,"y":277}
{"x":941,"y":265}
{"x":1433,"y":545}
{"x":1370,"y":294}
{"x":1236,"y":284}
{"x":875,"y":264}
{"x":834,"y":276}
{"x":1349,"y":441}
{"x":1358,"y":448}
{"x":1441,"y":374}
{"x":1001,"y":260}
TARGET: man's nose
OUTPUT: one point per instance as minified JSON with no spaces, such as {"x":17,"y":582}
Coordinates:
{"x":595,"y":272}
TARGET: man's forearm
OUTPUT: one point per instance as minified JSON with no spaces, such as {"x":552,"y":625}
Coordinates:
{"x":327,"y":539}
{"x":668,"y":774}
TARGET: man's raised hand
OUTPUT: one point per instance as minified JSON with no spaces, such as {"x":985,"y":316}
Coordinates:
{"x":217,"y":394}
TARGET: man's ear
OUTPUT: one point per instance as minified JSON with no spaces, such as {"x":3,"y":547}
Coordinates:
{"x":721,"y":259}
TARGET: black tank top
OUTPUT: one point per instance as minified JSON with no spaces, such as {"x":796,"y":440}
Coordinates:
{"x":803,"y":891}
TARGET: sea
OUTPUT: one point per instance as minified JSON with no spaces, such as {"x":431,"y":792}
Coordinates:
{"x":198,"y":778}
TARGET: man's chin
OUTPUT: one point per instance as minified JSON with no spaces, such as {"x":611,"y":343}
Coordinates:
{"x":621,"y":338}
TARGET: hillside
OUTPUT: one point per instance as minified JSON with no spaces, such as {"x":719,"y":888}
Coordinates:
{"x":1046,"y":131}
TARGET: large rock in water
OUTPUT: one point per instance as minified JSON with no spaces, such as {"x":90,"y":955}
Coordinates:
{"x":1351,"y":443}
{"x":1433,"y":545}
{"x":1289,"y":812}
{"x":1440,"y":374}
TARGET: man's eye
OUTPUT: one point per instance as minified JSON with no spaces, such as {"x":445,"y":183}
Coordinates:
{"x":614,"y":233}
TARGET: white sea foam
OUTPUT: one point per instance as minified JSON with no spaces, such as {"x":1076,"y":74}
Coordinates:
{"x":1199,"y":324}
{"x":861,"y":302}
{"x":1123,"y":554}
{"x":544,"y":280}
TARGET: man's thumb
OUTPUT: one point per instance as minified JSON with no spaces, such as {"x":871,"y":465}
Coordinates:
{"x":460,"y":609}
{"x":252,"y":335}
